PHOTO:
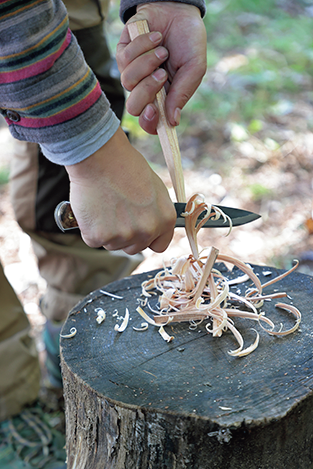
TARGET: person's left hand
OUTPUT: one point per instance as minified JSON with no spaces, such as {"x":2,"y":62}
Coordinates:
{"x":181,"y":47}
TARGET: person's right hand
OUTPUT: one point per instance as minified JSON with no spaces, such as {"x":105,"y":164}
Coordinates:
{"x":119,"y":202}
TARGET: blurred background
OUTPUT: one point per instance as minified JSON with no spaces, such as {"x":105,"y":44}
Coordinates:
{"x":246,"y":140}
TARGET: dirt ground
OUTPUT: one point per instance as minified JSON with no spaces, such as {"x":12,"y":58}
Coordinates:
{"x":275,"y":181}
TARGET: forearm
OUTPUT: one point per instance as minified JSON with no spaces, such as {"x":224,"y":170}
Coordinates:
{"x":55,"y":97}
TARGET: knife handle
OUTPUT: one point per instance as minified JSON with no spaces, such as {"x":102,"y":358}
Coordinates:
{"x":64,"y":216}
{"x":166,"y":132}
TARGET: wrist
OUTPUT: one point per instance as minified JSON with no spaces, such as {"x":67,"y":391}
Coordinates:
{"x":94,"y":165}
{"x":133,"y":6}
{"x":176,"y":5}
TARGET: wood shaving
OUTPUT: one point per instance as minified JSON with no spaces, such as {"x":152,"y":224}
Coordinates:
{"x":73,"y":332}
{"x":192,"y":290}
{"x":122,"y":327}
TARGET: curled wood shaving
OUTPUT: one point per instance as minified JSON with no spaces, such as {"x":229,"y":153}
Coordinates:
{"x":73,"y":331}
{"x":162,"y":331}
{"x":165,"y":335}
{"x":292,"y":310}
{"x":192,"y":290}
{"x":144,"y":327}
{"x":145,"y":316}
{"x":122,"y":327}
{"x":243,"y":352}
{"x":100,"y":315}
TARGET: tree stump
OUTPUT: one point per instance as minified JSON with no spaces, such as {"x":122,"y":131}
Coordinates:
{"x":134,"y":401}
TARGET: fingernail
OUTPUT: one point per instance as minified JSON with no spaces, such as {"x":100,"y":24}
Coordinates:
{"x":155,"y":37}
{"x":177,"y":115}
{"x":161,"y":53}
{"x":159,"y":74}
{"x":149,"y":113}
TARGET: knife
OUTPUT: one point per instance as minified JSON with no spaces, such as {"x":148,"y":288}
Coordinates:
{"x":65,"y":218}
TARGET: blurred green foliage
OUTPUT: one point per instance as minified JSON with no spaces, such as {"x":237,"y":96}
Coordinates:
{"x":4,"y":174}
{"x":274,"y":52}
{"x":259,"y":191}
{"x":260,"y":55}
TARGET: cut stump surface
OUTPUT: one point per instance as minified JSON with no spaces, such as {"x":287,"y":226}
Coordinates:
{"x":135,"y":401}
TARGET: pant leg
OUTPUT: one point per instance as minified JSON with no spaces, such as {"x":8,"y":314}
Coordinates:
{"x":72,"y":270}
{"x":86,"y":13}
{"x":70,"y":267}
{"x":19,"y":365}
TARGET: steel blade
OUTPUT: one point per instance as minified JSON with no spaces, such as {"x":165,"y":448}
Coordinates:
{"x":237,"y":216}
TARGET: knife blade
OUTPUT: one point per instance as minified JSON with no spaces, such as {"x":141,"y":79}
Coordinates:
{"x":237,"y":216}
{"x":65,"y":218}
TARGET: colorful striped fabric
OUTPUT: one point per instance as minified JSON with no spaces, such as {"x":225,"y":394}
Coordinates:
{"x":48,"y":94}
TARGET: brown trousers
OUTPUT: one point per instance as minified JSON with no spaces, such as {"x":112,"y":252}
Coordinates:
{"x":70,"y":267}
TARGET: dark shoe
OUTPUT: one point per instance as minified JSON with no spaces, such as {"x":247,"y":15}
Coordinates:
{"x":30,"y":440}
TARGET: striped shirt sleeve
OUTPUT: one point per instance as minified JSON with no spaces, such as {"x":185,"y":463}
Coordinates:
{"x":48,"y":94}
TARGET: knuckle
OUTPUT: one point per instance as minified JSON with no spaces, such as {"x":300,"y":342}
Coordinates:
{"x":132,"y":108}
{"x":126,"y":83}
{"x":127,"y":55}
{"x":132,"y":250}
{"x":92,"y":242}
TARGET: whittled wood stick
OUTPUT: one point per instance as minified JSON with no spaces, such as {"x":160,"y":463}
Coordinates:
{"x":206,"y":272}
{"x":166,"y":132}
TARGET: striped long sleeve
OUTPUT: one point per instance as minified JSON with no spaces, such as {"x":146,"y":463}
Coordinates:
{"x":48,"y":94}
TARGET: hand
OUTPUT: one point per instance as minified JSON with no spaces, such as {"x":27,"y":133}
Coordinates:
{"x":119,"y":202}
{"x":182,"y":45}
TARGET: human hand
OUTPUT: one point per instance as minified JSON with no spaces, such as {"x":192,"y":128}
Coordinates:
{"x":119,"y":202}
{"x":183,"y":47}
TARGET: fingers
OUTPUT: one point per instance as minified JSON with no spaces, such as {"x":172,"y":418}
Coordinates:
{"x":134,"y":241}
{"x":185,"y":82}
{"x":149,"y":118}
{"x":157,"y":245}
{"x":145,"y":92}
{"x":143,"y":67}
{"x":127,"y":51}
{"x":154,"y":231}
{"x":138,"y":59}
{"x":184,"y":36}
{"x":139,"y":62}
{"x":161,"y":243}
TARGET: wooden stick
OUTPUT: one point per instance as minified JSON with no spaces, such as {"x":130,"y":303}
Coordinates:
{"x":206,"y":272}
{"x":166,"y":132}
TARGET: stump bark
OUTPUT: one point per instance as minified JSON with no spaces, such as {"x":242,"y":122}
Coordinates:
{"x":134,"y":401}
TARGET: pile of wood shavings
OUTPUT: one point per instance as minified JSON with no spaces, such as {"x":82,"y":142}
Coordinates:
{"x":192,"y":290}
